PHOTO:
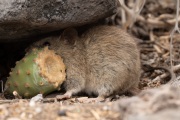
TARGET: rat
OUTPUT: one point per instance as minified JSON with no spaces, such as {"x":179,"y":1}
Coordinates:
{"x":103,"y":61}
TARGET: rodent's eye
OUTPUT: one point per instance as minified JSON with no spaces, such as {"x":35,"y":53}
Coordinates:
{"x":46,"y":44}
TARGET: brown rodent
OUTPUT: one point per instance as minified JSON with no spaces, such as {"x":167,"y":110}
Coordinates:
{"x":103,"y":61}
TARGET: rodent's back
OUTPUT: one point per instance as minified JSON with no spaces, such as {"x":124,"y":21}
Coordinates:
{"x":112,"y":58}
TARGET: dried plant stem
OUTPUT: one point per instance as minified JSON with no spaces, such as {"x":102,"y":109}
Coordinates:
{"x":176,"y":68}
{"x":164,"y":75}
{"x":160,"y":77}
{"x":157,"y":22}
{"x":139,"y":4}
{"x":123,"y":14}
{"x":132,"y":13}
{"x":176,"y":29}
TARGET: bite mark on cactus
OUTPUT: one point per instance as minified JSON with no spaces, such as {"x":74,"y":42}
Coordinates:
{"x":50,"y":66}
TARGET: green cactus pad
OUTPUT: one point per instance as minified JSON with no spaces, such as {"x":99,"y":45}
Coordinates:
{"x":40,"y":71}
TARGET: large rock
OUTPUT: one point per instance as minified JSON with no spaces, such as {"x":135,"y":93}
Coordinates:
{"x":25,"y":18}
{"x":154,"y":104}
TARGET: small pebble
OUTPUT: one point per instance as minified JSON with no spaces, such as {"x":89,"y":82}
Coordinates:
{"x":38,"y":110}
{"x":106,"y":108}
{"x":62,"y":113}
{"x":37,"y":98}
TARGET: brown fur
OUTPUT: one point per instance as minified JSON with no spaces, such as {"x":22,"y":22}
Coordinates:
{"x":103,"y":61}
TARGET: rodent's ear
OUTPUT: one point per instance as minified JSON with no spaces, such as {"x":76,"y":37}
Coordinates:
{"x":70,"y":35}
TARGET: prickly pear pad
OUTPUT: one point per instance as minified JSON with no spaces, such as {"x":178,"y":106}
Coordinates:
{"x":40,"y":71}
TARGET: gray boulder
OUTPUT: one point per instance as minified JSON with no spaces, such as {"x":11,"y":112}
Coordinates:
{"x":154,"y":104}
{"x":25,"y":18}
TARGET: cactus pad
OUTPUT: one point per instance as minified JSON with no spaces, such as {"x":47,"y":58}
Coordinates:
{"x":40,"y":71}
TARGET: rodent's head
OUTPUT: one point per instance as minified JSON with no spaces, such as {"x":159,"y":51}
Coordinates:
{"x":67,"y":40}
{"x":67,"y":45}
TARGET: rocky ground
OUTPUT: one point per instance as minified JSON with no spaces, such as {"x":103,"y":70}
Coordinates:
{"x":159,"y":103}
{"x":156,"y":101}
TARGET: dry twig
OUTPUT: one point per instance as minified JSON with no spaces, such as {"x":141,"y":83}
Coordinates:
{"x":131,"y":13}
{"x":164,"y":75}
{"x":176,"y":28}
